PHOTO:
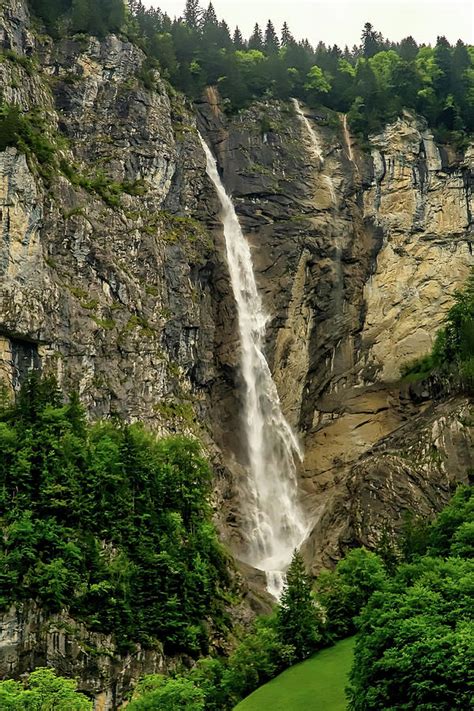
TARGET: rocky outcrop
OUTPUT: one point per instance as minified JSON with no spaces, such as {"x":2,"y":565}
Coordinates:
{"x":424,"y":206}
{"x":29,"y":639}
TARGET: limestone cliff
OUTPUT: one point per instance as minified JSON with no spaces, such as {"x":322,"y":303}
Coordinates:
{"x":113,"y":277}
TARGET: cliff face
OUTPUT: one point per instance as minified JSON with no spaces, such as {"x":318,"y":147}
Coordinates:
{"x":114,"y":278}
{"x":358,"y":258}
{"x":111,"y":289}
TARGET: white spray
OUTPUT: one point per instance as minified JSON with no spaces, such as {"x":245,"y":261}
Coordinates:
{"x":275,"y":520}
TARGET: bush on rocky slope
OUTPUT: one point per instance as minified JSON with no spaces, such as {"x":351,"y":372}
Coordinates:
{"x":452,"y":356}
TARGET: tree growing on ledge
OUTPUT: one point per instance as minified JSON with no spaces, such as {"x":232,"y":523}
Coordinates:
{"x":299,"y":620}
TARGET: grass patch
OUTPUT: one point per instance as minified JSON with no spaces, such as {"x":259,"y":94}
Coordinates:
{"x":318,"y":684}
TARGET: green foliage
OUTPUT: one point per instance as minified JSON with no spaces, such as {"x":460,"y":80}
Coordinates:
{"x":299,"y":619}
{"x":373,"y":82}
{"x":414,"y":650}
{"x":43,"y":691}
{"x":258,"y":658}
{"x":158,"y":693}
{"x":100,"y":184}
{"x":451,"y":531}
{"x":27,"y":132}
{"x":414,"y":538}
{"x":89,"y":16}
{"x":109,"y":522}
{"x":317,"y":83}
{"x":430,"y":596}
{"x":452,"y":357}
{"x":416,"y":633}
{"x":342,"y":593}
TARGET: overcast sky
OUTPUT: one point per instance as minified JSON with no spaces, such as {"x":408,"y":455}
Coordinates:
{"x":340,"y":21}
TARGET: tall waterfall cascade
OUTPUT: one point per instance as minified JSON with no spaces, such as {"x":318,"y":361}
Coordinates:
{"x":275,"y":522}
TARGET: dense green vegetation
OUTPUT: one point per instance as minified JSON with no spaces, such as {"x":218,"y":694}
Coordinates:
{"x":298,"y":627}
{"x":412,"y":608}
{"x":89,"y":16}
{"x":115,"y":526}
{"x":108,"y":522}
{"x":28,"y":133}
{"x":317,"y":683}
{"x":372,"y":81}
{"x":452,"y":357}
{"x":415,"y":646}
{"x":42,"y":691}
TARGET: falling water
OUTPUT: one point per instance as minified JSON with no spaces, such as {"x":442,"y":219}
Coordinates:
{"x":275,"y":520}
{"x":347,"y":138}
{"x":348,"y":141}
{"x":315,"y":144}
{"x":316,"y":148}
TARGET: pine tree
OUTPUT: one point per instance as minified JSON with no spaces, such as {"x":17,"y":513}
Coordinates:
{"x":225,"y":39}
{"x":299,"y":620}
{"x":272,"y":44}
{"x":371,"y":41}
{"x":209,"y":17}
{"x":408,"y":49}
{"x":238,"y":40}
{"x":193,"y":14}
{"x":256,"y":39}
{"x":286,"y":36}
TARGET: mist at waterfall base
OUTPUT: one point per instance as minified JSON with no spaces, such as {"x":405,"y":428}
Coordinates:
{"x":274,"y":520}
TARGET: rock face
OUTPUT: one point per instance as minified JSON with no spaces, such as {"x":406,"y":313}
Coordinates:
{"x":358,"y":258}
{"x":112,"y":288}
{"x":30,"y":639}
{"x":113,"y":277}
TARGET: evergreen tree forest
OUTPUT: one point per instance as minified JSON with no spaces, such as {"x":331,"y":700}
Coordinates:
{"x":372,"y":81}
{"x":410,"y":605}
{"x":110,"y":523}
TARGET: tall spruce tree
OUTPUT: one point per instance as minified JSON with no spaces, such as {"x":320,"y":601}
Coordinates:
{"x":299,"y":619}
{"x":272,"y":44}
{"x":256,"y":38}
{"x":286,"y":36}
{"x":193,"y":14}
{"x":371,"y":41}
{"x":238,"y":40}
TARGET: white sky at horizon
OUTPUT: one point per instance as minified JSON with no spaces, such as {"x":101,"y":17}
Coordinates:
{"x":341,"y":21}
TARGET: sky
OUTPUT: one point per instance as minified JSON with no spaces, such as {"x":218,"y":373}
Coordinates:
{"x":340,"y":21}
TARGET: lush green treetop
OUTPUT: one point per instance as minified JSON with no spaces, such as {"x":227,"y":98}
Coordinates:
{"x":43,"y":691}
{"x":373,"y":81}
{"x":109,"y":523}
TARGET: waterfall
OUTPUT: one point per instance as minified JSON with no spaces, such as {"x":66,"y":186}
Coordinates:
{"x":275,"y":523}
{"x":314,"y":140}
{"x":316,"y":149}
{"x":348,"y":142}
{"x":347,"y":138}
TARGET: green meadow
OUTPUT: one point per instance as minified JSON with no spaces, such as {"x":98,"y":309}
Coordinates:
{"x":314,"y":685}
